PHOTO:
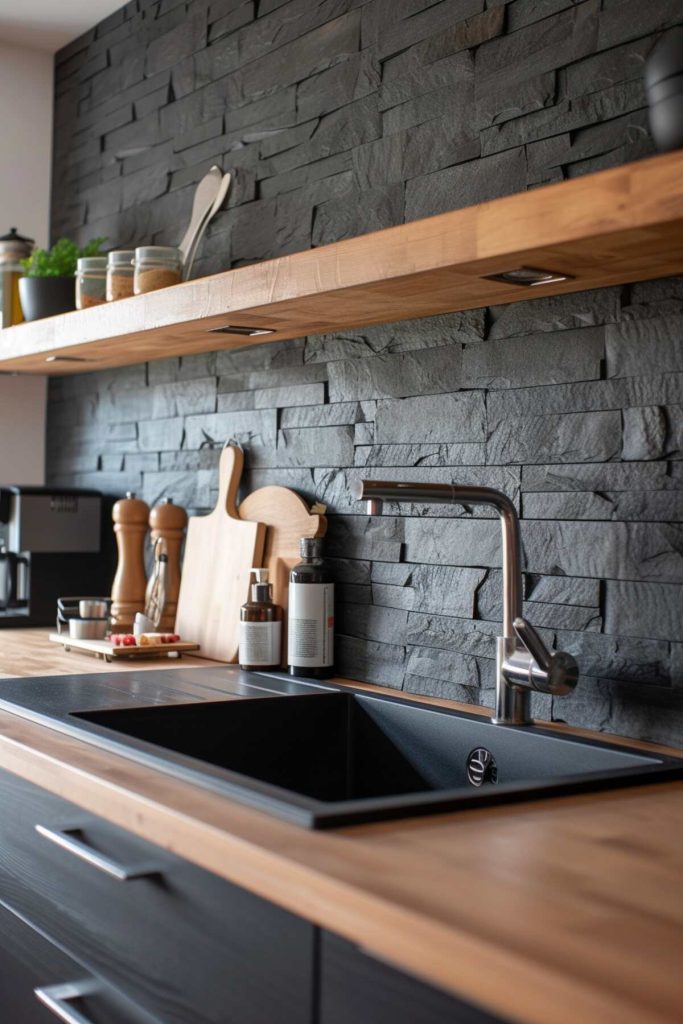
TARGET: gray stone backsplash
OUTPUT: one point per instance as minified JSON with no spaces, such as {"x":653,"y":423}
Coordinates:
{"x":344,"y":117}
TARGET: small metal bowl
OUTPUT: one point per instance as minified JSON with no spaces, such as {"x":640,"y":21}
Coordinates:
{"x":87,"y":618}
{"x":88,"y":629}
{"x":93,"y":608}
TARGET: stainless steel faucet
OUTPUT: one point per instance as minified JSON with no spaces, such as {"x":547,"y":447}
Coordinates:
{"x":523,"y":662}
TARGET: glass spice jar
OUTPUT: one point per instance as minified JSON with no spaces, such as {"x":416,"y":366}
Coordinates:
{"x":119,"y":274}
{"x":91,"y":274}
{"x":13,"y":248}
{"x":156,"y":266}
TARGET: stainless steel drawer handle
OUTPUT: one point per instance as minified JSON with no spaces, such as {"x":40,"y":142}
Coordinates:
{"x":57,"y":998}
{"x":67,"y":839}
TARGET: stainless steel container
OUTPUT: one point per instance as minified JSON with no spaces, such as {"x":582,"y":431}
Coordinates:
{"x":85,"y":618}
{"x":88,"y":629}
{"x":93,"y":608}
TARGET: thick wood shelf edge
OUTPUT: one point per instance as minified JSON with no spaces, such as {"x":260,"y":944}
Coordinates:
{"x":613,"y":227}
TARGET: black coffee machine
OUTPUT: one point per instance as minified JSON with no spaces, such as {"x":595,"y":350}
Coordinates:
{"x":53,"y":541}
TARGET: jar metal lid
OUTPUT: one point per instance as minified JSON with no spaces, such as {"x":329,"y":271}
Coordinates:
{"x":14,"y":246}
{"x":120,"y":258}
{"x":91,"y":263}
{"x":160,"y":253}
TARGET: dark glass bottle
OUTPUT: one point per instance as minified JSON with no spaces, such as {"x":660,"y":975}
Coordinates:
{"x":310,"y":633}
{"x":260,"y":627}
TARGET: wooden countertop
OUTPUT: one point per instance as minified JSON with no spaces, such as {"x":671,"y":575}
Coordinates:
{"x":553,"y":912}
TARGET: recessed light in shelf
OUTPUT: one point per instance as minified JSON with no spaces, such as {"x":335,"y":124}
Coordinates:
{"x":249,"y":332}
{"x":529,"y":277}
{"x":66,"y":359}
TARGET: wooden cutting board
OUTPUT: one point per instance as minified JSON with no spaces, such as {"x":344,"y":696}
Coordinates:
{"x":288,"y":519}
{"x":220,"y":551}
{"x":106,"y":650}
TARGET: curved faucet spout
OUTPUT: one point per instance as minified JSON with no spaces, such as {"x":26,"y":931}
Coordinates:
{"x":376,"y":491}
{"x":523,"y":663}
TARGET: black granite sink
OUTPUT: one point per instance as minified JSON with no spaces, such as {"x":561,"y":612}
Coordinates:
{"x":318,"y":754}
{"x":332,"y":758}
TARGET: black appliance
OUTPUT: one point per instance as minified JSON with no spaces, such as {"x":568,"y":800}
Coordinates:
{"x":53,"y":541}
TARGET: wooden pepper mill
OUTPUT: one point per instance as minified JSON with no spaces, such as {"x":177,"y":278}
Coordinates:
{"x":169,"y":522}
{"x":130,"y":516}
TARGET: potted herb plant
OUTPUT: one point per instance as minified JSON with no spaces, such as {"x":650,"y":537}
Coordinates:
{"x":49,"y":286}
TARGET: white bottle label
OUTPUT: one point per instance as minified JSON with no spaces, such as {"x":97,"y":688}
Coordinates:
{"x":260,"y":643}
{"x":310,"y":635}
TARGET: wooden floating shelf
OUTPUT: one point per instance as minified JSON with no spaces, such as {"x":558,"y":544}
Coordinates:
{"x":620,"y":225}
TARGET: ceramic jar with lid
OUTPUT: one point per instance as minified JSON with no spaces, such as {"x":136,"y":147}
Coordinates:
{"x":119,"y":274}
{"x":91,"y":275}
{"x":156,"y":266}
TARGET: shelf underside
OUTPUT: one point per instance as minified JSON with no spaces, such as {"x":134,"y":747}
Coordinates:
{"x":604,"y":229}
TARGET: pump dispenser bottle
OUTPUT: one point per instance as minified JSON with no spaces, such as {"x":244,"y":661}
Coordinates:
{"x":260,"y":626}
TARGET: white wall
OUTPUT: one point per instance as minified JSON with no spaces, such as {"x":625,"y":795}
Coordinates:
{"x":26,"y":84}
{"x":22,"y":429}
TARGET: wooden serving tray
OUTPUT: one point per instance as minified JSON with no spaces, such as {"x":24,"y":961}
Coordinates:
{"x":106,"y":650}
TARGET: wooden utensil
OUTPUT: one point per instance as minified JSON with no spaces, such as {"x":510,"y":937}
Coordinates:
{"x":288,"y":518}
{"x":194,"y":244}
{"x":203,"y":201}
{"x":220,"y":551}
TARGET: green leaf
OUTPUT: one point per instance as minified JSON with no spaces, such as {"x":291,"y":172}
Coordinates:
{"x":60,"y":260}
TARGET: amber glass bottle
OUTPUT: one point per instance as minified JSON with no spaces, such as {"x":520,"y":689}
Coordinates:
{"x":260,"y":626}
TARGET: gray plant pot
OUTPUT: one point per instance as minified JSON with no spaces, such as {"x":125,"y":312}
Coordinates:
{"x":46,"y":296}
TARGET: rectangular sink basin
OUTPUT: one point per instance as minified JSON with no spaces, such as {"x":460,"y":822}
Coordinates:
{"x":341,"y":758}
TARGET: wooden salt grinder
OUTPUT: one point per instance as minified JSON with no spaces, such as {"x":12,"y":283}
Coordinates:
{"x":130,"y":516}
{"x":169,"y":522}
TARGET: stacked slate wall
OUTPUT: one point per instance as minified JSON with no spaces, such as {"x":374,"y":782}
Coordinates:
{"x":337,"y":118}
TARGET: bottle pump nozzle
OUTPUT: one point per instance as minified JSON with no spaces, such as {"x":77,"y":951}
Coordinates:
{"x":261,"y":589}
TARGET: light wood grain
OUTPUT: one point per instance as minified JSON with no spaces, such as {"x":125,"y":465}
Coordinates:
{"x":130,"y":516}
{"x":27,"y":653}
{"x":555,"y":912}
{"x":105,"y":649}
{"x":287,"y":518}
{"x":620,"y":225}
{"x":220,"y":552}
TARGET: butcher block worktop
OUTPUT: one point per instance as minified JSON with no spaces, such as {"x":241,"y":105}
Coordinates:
{"x":552,"y":912}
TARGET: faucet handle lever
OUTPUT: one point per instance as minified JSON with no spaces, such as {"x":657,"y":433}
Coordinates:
{"x":533,"y":643}
{"x":559,"y":671}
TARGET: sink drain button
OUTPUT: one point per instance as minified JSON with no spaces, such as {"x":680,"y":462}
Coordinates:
{"x":481,"y":767}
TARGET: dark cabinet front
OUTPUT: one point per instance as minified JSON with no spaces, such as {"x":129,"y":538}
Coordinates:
{"x":358,"y":989}
{"x":174,"y":944}
{"x":40,"y":984}
{"x":185,"y":945}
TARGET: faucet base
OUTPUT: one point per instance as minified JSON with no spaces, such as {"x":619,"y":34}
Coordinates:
{"x":513,"y":704}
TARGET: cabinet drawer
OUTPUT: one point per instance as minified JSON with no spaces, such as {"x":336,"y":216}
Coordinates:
{"x":37,"y":980}
{"x":354,"y":988}
{"x":185,"y":944}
